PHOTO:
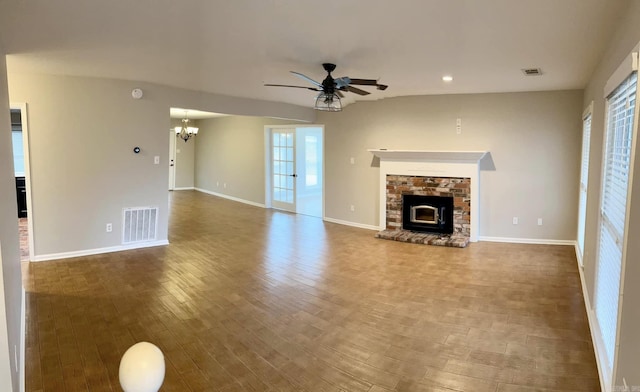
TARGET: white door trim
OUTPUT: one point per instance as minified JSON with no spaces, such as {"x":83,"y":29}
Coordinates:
{"x":172,"y":160}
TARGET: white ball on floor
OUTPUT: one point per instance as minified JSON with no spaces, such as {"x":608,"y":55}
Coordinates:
{"x":142,"y":368}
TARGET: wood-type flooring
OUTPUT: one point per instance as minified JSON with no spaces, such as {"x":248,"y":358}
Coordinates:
{"x":250,"y":299}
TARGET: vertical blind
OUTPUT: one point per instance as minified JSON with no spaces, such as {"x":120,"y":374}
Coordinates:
{"x":584,"y":179}
{"x":619,"y":132}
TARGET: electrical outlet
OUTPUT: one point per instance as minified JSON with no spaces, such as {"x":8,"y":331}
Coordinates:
{"x":156,"y":160}
{"x":352,"y":207}
{"x":539,"y":221}
{"x":515,"y":220}
{"x":352,"y":160}
{"x":459,"y":126}
{"x":109,"y":227}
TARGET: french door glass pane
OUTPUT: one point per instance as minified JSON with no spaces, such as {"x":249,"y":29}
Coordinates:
{"x":283,"y":166}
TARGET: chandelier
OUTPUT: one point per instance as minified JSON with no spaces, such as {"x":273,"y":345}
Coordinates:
{"x":185,"y":132}
{"x":328,"y":102}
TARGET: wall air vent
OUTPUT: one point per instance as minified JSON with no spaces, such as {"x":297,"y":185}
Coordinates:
{"x":139,"y":224}
{"x":532,"y":71}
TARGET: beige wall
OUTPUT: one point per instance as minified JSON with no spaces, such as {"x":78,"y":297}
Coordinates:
{"x":83,"y":171}
{"x":230,"y":150}
{"x":10,"y":275}
{"x":624,"y":40}
{"x":533,"y":138}
{"x":185,"y":155}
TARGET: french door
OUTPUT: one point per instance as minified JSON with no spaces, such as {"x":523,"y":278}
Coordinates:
{"x":283,"y":167}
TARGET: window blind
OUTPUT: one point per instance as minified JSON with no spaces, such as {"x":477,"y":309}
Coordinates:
{"x":619,"y":132}
{"x":584,"y":179}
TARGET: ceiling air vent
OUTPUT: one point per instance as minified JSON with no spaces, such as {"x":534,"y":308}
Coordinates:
{"x":532,"y":71}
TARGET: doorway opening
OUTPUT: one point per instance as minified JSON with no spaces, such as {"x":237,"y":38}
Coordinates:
{"x":20,"y":142}
{"x":295,"y":169}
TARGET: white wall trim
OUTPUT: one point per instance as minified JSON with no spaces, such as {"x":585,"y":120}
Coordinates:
{"x":539,"y":241}
{"x":253,"y":203}
{"x":591,"y":317}
{"x":185,"y":188}
{"x":588,"y":110}
{"x":628,"y":66}
{"x":97,"y":251}
{"x":23,"y":339}
{"x":352,"y":224}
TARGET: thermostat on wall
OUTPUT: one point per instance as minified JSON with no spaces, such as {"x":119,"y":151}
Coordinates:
{"x":136,"y":93}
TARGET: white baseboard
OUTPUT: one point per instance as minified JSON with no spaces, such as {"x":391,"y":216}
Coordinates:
{"x":23,"y":339}
{"x":353,"y":224}
{"x":186,"y":188}
{"x":598,"y":346}
{"x":97,"y":251}
{"x":539,"y":241}
{"x":252,"y":203}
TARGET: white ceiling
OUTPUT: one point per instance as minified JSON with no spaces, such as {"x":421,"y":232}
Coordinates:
{"x":233,"y":47}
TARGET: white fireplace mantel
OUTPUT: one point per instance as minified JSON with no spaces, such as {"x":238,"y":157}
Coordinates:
{"x":433,"y":156}
{"x":465,"y":164}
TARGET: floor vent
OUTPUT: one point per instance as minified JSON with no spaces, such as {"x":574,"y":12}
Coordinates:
{"x":139,"y":224}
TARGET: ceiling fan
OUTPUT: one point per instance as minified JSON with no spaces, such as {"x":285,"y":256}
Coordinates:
{"x":331,"y":89}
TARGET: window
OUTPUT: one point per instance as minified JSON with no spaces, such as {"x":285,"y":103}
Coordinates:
{"x":16,"y":137}
{"x":18,"y":153}
{"x":584,"y":179}
{"x":613,"y":206}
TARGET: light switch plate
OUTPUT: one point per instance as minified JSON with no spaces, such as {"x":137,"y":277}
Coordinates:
{"x":156,"y":160}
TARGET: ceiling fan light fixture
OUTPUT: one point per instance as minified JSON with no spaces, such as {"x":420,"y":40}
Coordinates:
{"x":328,"y":102}
{"x":331,"y":89}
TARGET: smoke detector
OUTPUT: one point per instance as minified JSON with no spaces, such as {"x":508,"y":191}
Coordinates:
{"x":532,"y":71}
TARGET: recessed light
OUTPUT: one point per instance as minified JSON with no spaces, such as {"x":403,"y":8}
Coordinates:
{"x":447,"y":78}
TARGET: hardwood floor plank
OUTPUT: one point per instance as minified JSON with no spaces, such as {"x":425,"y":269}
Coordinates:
{"x":249,"y":299}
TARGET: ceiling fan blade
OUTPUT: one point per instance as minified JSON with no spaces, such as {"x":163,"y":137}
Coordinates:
{"x":382,"y":86}
{"x":364,"y":82}
{"x":308,"y":79}
{"x":339,"y":94}
{"x":357,"y":90}
{"x":286,"y":85}
{"x":342,"y":82}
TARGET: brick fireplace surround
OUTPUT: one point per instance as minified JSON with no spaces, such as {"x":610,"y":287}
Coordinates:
{"x":437,"y":173}
{"x":456,"y":187}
